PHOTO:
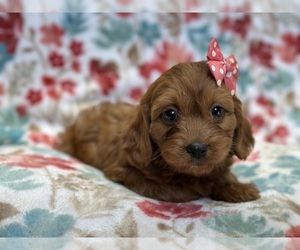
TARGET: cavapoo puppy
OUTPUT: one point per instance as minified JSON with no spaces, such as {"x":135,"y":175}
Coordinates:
{"x":177,"y":145}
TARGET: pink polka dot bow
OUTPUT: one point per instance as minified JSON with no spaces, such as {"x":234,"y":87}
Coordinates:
{"x":222,"y":68}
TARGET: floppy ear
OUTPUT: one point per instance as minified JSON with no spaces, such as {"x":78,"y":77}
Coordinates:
{"x":243,"y":140}
{"x":136,"y":139}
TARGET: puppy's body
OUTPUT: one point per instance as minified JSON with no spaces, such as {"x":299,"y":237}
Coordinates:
{"x":176,"y":145}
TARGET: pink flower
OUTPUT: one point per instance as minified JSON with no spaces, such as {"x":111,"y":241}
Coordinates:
{"x":293,"y":232}
{"x":104,"y":74}
{"x":191,"y":16}
{"x":239,"y":25}
{"x":290,"y":48}
{"x":21,"y":110}
{"x":35,"y":161}
{"x":39,"y":137}
{"x":52,"y":34}
{"x":262,"y":53}
{"x":168,"y":210}
{"x":136,"y":93}
{"x":76,"y":66}
{"x":166,"y":56}
{"x":53,"y":94}
{"x":56,"y":60}
{"x":11,"y":28}
{"x":76,"y":48}
{"x":68,"y":86}
{"x":34,"y":96}
{"x":48,"y":81}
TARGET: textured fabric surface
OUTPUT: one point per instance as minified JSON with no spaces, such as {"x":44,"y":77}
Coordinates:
{"x":46,"y":193}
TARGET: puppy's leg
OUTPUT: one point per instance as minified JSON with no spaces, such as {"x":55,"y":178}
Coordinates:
{"x":230,"y":190}
{"x":137,"y":182}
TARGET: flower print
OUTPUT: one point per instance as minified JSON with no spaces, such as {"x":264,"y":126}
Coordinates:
{"x":104,"y":75}
{"x":169,"y":210}
{"x":56,"y":60}
{"x":257,"y":122}
{"x":279,"y":135}
{"x":5,"y":56}
{"x":41,"y":138}
{"x":149,"y":32}
{"x":76,"y":48}
{"x":48,"y":81}
{"x":35,"y":161}
{"x":191,"y":16}
{"x":21,"y":110}
{"x":262,"y":53}
{"x":293,"y":232}
{"x":34,"y":96}
{"x":166,"y":55}
{"x":281,"y":131}
{"x":39,"y":223}
{"x":68,"y":86}
{"x":290,"y":48}
{"x":238,"y":25}
{"x":11,"y":26}
{"x":53,"y":94}
{"x":75,"y":65}
{"x":52,"y":34}
{"x":136,"y":93}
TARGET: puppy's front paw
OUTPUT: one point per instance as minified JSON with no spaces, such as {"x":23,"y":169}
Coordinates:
{"x":236,"y":192}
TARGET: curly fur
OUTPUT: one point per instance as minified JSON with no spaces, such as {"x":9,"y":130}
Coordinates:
{"x":134,"y":146}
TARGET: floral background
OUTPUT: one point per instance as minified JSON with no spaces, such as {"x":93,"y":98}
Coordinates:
{"x":53,"y":64}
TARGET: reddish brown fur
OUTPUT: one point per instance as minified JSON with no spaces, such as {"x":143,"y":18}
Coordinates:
{"x":135,"y":147}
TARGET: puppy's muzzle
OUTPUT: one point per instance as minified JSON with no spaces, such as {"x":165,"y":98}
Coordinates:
{"x":197,"y":150}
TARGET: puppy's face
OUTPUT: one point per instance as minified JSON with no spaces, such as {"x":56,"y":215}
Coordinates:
{"x":194,"y":123}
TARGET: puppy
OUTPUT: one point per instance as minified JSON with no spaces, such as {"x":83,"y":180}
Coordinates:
{"x":177,"y":145}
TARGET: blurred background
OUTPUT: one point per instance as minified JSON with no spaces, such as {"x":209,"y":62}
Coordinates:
{"x":57,"y":58}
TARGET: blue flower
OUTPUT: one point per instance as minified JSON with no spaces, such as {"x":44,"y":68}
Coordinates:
{"x":149,"y":32}
{"x":280,"y":80}
{"x":280,"y":182}
{"x":39,"y":223}
{"x":244,"y":170}
{"x":287,"y":161}
{"x":4,"y":56}
{"x":12,"y":126}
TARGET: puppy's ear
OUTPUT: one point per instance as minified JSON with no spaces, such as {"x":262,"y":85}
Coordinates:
{"x":136,"y":139}
{"x":243,"y":140}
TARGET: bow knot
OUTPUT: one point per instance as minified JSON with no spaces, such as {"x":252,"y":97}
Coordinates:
{"x":222,"y":68}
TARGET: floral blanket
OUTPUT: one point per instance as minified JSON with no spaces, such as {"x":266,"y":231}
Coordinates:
{"x":45,"y":193}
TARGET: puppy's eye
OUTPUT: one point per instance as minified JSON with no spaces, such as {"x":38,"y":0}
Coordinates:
{"x":217,"y":112}
{"x":170,"y":115}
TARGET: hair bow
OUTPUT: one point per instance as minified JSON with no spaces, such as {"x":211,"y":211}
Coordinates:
{"x":222,"y":68}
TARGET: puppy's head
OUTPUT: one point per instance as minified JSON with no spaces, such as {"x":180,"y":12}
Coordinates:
{"x":189,"y":122}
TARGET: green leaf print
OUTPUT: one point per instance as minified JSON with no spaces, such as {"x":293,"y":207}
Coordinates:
{"x":18,"y":179}
{"x":235,"y":225}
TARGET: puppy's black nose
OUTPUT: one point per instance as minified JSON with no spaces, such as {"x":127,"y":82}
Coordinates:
{"x":197,"y":150}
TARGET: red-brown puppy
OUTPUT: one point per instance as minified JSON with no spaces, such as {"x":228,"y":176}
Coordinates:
{"x":176,"y":145}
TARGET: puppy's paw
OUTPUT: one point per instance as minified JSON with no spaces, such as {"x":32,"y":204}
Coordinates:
{"x":236,"y":192}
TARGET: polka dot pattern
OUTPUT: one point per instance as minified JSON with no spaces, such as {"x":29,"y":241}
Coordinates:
{"x":223,"y":69}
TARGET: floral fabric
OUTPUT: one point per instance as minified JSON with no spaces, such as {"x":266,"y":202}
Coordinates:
{"x":45,"y":193}
{"x":55,"y":64}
